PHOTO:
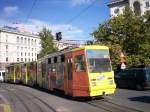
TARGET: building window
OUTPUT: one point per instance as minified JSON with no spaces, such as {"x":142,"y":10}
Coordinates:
{"x":17,"y":59}
{"x":32,"y":54}
{"x":28,"y":41}
{"x":22,"y":40}
{"x":18,"y":47}
{"x":147,"y":5}
{"x":28,"y":54}
{"x":17,"y":39}
{"x":25,"y":60}
{"x":32,"y":41}
{"x":21,"y":54}
{"x":137,"y":8}
{"x":21,"y":59}
{"x":116,"y":11}
{"x":32,"y":59}
{"x":35,"y":42}
{"x":25,"y":41}
{"x":29,"y":59}
{"x":25,"y":54}
{"x":6,"y":59}
{"x":6,"y":47}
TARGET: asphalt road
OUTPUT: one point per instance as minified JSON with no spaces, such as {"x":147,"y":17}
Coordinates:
{"x":25,"y":99}
{"x":132,"y":98}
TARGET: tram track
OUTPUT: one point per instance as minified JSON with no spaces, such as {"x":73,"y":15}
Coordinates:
{"x":17,"y":94}
{"x":32,"y":100}
{"x":24,"y":96}
{"x":101,"y":104}
{"x":14,"y":96}
{"x":111,"y":107}
{"x":37,"y":98}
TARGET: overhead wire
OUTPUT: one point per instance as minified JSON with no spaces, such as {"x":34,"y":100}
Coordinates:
{"x":78,"y":15}
{"x":81,"y":12}
{"x":31,"y":10}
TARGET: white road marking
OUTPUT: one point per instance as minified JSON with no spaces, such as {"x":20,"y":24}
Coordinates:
{"x":63,"y":109}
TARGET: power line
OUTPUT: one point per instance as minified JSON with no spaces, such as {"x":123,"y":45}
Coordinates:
{"x":30,"y":12}
{"x":81,"y":12}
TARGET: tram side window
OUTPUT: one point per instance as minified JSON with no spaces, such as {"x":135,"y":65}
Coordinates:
{"x":62,"y":58}
{"x":43,"y":69}
{"x":80,"y":63}
{"x":49,"y":61}
{"x":55,"y":59}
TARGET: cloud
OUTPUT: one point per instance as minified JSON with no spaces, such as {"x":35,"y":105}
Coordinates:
{"x":69,"y":31}
{"x":34,"y":25}
{"x":80,"y":2}
{"x":11,"y":10}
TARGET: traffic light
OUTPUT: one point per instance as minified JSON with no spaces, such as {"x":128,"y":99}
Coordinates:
{"x":58,"y":36}
{"x":89,"y":42}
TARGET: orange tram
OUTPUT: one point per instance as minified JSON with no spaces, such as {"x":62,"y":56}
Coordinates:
{"x":78,"y":72}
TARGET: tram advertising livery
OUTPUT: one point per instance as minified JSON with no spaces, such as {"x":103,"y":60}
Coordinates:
{"x":78,"y":72}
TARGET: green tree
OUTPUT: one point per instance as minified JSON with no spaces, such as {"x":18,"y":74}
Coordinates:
{"x":47,"y":42}
{"x":129,"y":34}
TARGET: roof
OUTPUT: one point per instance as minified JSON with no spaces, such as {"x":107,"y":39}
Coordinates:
{"x":113,"y":2}
{"x":18,"y":33}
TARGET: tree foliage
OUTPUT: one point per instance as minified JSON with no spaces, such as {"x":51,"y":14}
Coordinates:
{"x":47,"y":42}
{"x":129,"y":34}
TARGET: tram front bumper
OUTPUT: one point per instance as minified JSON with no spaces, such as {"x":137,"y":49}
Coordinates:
{"x":102,"y":92}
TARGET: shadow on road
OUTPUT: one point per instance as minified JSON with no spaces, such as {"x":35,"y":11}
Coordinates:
{"x":145,"y":99}
{"x":62,"y":95}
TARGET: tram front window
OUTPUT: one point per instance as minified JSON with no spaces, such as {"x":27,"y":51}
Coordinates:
{"x":98,"y":61}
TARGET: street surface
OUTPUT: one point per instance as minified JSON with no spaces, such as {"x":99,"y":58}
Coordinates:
{"x":132,"y":98}
{"x":17,"y":98}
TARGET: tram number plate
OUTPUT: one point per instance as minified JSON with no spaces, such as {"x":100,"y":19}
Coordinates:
{"x":102,"y":77}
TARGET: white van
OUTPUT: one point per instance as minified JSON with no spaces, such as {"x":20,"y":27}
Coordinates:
{"x":2,"y":74}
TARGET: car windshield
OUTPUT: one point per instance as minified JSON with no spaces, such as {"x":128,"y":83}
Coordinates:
{"x":148,"y":73}
{"x":98,"y":61}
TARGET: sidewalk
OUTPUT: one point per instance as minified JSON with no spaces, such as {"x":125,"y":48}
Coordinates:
{"x":4,"y":105}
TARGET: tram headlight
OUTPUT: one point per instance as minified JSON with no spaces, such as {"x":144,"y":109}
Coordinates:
{"x":93,"y":84}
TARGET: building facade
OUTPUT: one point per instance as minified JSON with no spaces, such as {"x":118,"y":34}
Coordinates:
{"x":17,"y":47}
{"x":138,"y":6}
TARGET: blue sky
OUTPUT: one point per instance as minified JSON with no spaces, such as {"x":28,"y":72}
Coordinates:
{"x":56,"y":15}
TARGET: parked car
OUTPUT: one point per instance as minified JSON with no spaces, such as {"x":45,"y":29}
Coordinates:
{"x":2,"y":74}
{"x":137,"y":78}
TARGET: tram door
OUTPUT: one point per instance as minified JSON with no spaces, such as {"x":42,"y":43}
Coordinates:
{"x":80,"y":76}
{"x":69,"y":73}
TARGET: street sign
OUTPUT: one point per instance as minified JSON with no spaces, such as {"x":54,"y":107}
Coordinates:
{"x":123,"y":66}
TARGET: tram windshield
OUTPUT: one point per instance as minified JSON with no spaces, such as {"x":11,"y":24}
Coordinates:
{"x":98,"y":61}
